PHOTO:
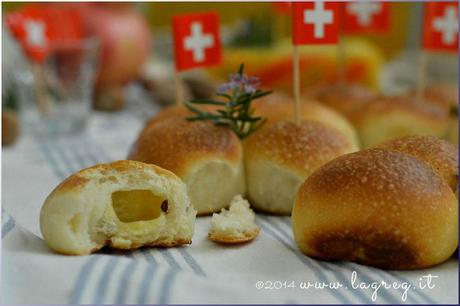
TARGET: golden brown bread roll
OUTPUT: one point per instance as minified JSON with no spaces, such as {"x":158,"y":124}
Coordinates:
{"x":276,"y":107}
{"x":280,"y":156}
{"x":344,"y":98}
{"x":441,"y":155}
{"x":124,"y":205}
{"x":377,"y":207}
{"x":444,"y":95}
{"x":209,"y":159}
{"x":394,"y":117}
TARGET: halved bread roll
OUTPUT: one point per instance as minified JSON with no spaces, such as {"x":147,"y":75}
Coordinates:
{"x":280,"y":156}
{"x":441,"y":155}
{"x":209,"y":159}
{"x":124,"y":205}
{"x":377,"y":207}
{"x":277,"y":107}
{"x":394,"y":117}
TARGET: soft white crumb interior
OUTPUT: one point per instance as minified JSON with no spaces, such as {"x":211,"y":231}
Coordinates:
{"x":237,"y":221}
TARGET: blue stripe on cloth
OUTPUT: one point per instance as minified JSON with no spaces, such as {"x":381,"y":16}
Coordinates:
{"x":355,"y":267}
{"x":306,"y":261}
{"x":148,"y":256}
{"x":191,"y":262}
{"x":8,"y":225}
{"x":82,"y":279}
{"x":165,"y":291}
{"x":147,"y":279}
{"x":123,"y":286}
{"x":169,"y":259}
{"x":102,"y":285}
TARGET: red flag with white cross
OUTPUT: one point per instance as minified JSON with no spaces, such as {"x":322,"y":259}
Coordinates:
{"x":315,"y":22}
{"x":440,"y":27}
{"x":196,"y":40}
{"x":40,"y":29}
{"x":366,"y":16}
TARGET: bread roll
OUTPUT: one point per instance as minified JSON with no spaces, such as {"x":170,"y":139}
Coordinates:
{"x":209,"y":159}
{"x":124,"y":205}
{"x":345,"y":99}
{"x":444,"y":95}
{"x":441,"y":155}
{"x":276,"y":107}
{"x":395,"y":117}
{"x":280,"y":156}
{"x":377,"y":207}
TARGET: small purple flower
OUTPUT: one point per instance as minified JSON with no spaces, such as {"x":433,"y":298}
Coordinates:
{"x":249,"y":84}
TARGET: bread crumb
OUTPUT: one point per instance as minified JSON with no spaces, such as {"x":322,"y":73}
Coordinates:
{"x":235,"y":225}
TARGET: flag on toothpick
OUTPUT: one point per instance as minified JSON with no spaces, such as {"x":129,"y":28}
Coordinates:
{"x":440,"y":27}
{"x":196,"y":40}
{"x":315,"y":22}
{"x":366,"y":16}
{"x":40,"y":29}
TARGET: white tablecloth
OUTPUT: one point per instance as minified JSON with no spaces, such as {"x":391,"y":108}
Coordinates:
{"x":200,"y":273}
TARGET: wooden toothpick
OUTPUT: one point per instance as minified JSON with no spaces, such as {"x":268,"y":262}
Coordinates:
{"x":421,"y":76}
{"x":296,"y":88}
{"x":179,"y":88}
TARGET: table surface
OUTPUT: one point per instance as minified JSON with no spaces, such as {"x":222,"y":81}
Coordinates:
{"x":201,"y":273}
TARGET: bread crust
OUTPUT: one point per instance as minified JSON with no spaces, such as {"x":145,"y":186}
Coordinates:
{"x":377,"y":207}
{"x":278,"y":107}
{"x":345,"y":99}
{"x":222,"y":239}
{"x":176,"y":144}
{"x":441,"y":155}
{"x":303,"y":148}
{"x":384,"y":106}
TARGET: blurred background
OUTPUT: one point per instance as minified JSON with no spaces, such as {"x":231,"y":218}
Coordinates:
{"x":124,"y":59}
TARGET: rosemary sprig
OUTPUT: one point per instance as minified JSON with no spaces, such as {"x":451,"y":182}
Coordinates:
{"x":234,"y":110}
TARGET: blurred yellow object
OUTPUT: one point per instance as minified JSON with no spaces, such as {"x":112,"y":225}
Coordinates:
{"x":318,"y":64}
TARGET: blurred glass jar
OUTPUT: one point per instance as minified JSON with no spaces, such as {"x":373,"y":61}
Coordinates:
{"x":55,"y":96}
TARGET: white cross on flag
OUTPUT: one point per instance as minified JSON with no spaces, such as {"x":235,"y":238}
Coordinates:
{"x":315,"y":22}
{"x":440,"y":28}
{"x":366,"y":16}
{"x":196,"y":40}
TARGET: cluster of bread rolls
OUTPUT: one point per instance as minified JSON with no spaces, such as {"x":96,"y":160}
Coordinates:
{"x":391,"y":207}
{"x":378,"y":118}
{"x":269,"y":165}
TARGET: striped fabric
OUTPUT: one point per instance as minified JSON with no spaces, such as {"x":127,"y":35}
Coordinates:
{"x":201,"y":273}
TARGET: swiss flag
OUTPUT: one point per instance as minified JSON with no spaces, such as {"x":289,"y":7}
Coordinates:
{"x":315,"y":22}
{"x":39,"y":30}
{"x":440,"y":27}
{"x":196,"y":40}
{"x":366,"y":16}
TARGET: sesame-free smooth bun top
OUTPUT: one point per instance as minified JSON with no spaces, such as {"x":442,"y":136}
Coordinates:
{"x":124,"y":204}
{"x":175,"y":143}
{"x":302,"y":147}
{"x":440,"y":154}
{"x":394,"y":117}
{"x":277,"y":107}
{"x":377,"y":207}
